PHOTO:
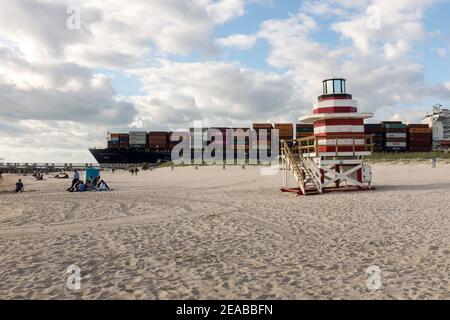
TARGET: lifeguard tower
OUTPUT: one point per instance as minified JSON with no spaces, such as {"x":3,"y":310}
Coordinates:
{"x":332,"y":159}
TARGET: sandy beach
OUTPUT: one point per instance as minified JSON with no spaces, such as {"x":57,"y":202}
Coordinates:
{"x":227,"y":234}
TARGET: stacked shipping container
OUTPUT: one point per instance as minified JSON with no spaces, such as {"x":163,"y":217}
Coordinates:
{"x":138,"y":139}
{"x":303,"y":130}
{"x":390,"y":136}
{"x":286,"y":131}
{"x":419,"y":138}
{"x":376,"y":130}
{"x":223,"y":143}
{"x":113,"y":142}
{"x":242,"y":138}
{"x":261,"y":128}
{"x":158,"y":141}
{"x":395,"y":136}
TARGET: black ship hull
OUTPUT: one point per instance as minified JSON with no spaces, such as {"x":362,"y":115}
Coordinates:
{"x":117,"y":156}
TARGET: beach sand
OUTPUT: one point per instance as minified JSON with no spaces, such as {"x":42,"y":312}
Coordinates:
{"x":227,"y":234}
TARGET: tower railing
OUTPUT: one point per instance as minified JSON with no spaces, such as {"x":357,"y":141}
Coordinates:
{"x":309,"y":146}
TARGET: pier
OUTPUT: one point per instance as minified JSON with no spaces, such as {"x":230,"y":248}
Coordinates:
{"x":46,"y":167}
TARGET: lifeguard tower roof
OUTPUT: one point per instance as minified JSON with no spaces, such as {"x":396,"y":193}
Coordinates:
{"x":335,"y":103}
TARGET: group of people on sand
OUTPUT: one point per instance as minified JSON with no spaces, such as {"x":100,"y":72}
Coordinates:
{"x":38,"y":176}
{"x":92,"y":184}
{"x":134,"y":171}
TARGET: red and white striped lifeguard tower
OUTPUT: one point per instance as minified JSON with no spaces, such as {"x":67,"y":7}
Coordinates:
{"x":332,"y":159}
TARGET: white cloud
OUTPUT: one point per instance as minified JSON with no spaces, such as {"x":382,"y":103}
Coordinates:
{"x":48,"y":72}
{"x":239,"y":41}
{"x":382,"y":77}
{"x":441,"y":52}
{"x":223,"y":10}
{"x":116,"y":33}
{"x":400,"y":25}
{"x":178,"y":93}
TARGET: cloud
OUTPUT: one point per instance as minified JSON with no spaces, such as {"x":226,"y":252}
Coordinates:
{"x":223,"y":10}
{"x":441,"y":52}
{"x":47,"y":91}
{"x":49,"y":74}
{"x":381,"y":74}
{"x":394,"y":24}
{"x":178,"y":93}
{"x":238,"y":41}
{"x":114,"y":35}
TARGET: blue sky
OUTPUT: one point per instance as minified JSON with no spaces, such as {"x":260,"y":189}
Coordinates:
{"x":435,"y":67}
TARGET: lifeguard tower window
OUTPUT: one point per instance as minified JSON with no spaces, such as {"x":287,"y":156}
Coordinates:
{"x":334,"y":86}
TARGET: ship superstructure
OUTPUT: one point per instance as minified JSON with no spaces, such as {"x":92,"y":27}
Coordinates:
{"x":439,"y":120}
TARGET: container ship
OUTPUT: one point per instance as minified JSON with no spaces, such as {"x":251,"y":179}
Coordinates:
{"x":137,"y":147}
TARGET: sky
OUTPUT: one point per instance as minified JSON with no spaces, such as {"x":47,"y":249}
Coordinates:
{"x":72,"y":70}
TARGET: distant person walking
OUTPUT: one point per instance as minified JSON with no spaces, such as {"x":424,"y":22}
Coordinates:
{"x":19,"y":186}
{"x":1,"y":177}
{"x":112,"y":170}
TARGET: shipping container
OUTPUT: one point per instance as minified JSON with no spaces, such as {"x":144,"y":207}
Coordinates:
{"x":260,"y":129}
{"x":223,"y":131}
{"x":396,"y":140}
{"x":268,"y":126}
{"x":418,"y":126}
{"x":391,"y":122}
{"x":395,"y":144}
{"x":395,"y":126}
{"x":286,"y":130}
{"x":396,"y":135}
{"x":300,"y":127}
{"x":158,"y":140}
{"x":395,"y":130}
{"x":113,"y":145}
{"x":420,"y":130}
{"x":242,"y":136}
{"x":124,"y":137}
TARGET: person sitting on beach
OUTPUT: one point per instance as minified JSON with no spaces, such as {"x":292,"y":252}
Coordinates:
{"x":96,"y":182}
{"x":81,"y":187}
{"x":75,"y":187}
{"x":19,"y":186}
{"x":102,"y":186}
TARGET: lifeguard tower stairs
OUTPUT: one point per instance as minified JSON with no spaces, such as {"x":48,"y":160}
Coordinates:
{"x":333,"y":158}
